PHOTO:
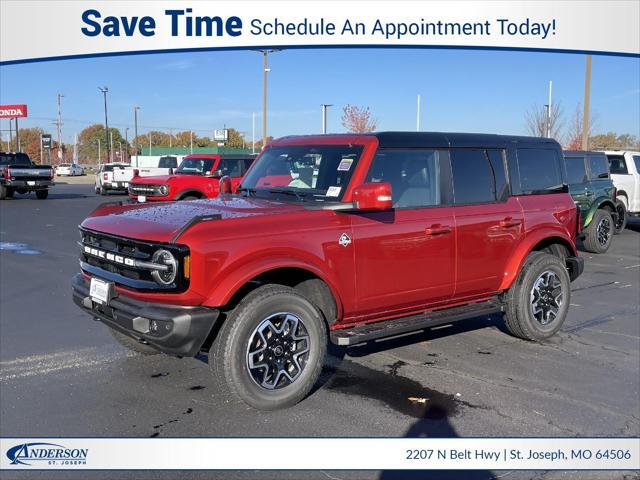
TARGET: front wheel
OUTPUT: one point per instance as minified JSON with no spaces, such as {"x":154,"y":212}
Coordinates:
{"x":271,"y":348}
{"x":599,"y":233}
{"x":538,"y":301}
{"x":42,"y":194}
{"x":621,"y":218}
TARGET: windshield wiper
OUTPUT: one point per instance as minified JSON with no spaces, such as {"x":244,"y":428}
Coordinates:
{"x":286,"y":191}
{"x":251,"y":192}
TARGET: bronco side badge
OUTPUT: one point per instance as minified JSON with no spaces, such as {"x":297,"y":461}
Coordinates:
{"x":344,"y":240}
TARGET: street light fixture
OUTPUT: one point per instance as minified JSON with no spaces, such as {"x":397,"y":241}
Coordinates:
{"x":104,"y":91}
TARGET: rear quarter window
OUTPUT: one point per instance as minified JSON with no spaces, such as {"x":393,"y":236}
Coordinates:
{"x":599,"y":167}
{"x":576,"y":170}
{"x":540,"y":170}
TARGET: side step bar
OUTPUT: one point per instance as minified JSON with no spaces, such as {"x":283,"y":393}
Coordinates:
{"x":414,"y":323}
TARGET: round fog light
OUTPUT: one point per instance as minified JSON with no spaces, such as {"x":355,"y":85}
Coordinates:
{"x":164,"y":190}
{"x":168,"y":275}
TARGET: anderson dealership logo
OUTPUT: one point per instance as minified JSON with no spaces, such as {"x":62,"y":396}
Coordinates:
{"x":49,"y":453}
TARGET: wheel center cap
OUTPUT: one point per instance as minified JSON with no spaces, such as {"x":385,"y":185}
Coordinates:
{"x":278,"y":351}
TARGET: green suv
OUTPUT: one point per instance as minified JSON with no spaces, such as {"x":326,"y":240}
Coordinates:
{"x":592,"y":189}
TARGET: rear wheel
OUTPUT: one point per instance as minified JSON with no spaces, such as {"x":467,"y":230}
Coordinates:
{"x":132,"y":344}
{"x":621,"y":218}
{"x":599,"y":233}
{"x":538,"y":301}
{"x":271,"y":348}
{"x":42,"y":194}
{"x":10,"y":192}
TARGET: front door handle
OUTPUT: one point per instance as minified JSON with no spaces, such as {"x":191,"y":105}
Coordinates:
{"x":509,"y":222}
{"x":437,"y":230}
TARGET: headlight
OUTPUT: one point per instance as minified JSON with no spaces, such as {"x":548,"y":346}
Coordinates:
{"x":168,"y":275}
{"x":164,"y":190}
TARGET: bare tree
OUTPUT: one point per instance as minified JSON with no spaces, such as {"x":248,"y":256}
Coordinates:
{"x":358,"y":119}
{"x":574,"y":132}
{"x":536,"y":119}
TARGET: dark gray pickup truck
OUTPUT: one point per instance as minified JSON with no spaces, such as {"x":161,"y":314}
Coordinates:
{"x":18,"y":174}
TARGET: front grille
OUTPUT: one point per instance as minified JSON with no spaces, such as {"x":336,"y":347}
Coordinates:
{"x":145,"y":189}
{"x":112,"y":258}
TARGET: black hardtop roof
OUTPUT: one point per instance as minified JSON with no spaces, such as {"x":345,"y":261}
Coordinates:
{"x":575,"y":153}
{"x":448,"y":139}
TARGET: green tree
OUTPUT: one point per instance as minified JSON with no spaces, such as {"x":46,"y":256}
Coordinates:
{"x":89,"y":138}
{"x":613,"y":141}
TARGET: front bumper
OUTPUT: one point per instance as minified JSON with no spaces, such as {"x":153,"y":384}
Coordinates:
{"x":575,"y":265}
{"x":179,"y":331}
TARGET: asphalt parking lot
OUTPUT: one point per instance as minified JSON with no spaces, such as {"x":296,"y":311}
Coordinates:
{"x":61,"y":374}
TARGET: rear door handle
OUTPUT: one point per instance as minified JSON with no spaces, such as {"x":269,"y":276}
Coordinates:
{"x":437,"y":230}
{"x":509,"y":222}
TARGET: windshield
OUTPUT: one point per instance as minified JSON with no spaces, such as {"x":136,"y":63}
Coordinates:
{"x":319,"y":172}
{"x":14,"y":159}
{"x":196,"y":166}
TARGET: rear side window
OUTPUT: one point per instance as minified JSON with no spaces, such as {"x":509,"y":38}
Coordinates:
{"x":617,"y":165}
{"x":576,"y":171}
{"x":414,"y":176}
{"x":599,"y":166}
{"x":478,"y":176}
{"x":540,"y":170}
{"x":168,"y":162}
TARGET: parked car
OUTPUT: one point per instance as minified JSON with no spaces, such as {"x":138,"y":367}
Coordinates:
{"x":18,"y":174}
{"x":198,"y":176}
{"x":593,"y":191}
{"x":69,"y":169}
{"x":625,"y":173}
{"x":349,"y":238}
{"x":113,"y":177}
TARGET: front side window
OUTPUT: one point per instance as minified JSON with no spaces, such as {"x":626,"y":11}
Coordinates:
{"x":305,"y":172}
{"x":599,"y":166}
{"x":473,"y":178}
{"x":617,"y":165}
{"x":540,"y":170}
{"x":414,"y":176}
{"x":576,"y":171}
{"x":195,"y":166}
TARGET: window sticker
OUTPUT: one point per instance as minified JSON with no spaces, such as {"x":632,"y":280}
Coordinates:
{"x":333,"y":191}
{"x":345,"y":165}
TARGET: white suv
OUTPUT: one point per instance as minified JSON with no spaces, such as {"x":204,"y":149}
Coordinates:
{"x":625,"y":173}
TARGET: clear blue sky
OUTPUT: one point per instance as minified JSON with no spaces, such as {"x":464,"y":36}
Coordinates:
{"x":462,"y":90}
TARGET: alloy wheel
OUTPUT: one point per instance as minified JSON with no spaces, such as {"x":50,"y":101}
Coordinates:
{"x":604,"y":231}
{"x":546,"y":297}
{"x":278,"y":351}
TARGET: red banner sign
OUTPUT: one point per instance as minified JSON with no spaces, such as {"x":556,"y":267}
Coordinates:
{"x":13,"y":111}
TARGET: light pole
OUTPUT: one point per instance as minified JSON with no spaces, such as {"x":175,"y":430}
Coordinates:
{"x":265,"y":70}
{"x":253,"y":132}
{"x":587,"y":97}
{"x":135,"y":129}
{"x":324,"y":115}
{"x":111,"y":146}
{"x":99,"y":159}
{"x":126,"y":141}
{"x":191,"y":140}
{"x":104,"y":91}
{"x":59,"y":124}
{"x":418,"y":115}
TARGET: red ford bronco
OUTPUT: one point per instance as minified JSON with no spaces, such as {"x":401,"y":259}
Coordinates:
{"x":197,"y":176}
{"x":340,"y":238}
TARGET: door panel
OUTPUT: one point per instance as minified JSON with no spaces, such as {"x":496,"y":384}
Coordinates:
{"x":486,"y":237}
{"x":400,"y":265}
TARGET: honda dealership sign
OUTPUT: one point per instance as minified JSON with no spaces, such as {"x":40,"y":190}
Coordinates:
{"x":13,"y":111}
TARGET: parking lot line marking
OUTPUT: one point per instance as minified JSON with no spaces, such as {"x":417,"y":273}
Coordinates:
{"x":632,"y":266}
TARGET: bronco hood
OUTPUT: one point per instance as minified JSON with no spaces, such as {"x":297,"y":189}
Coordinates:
{"x":165,"y":221}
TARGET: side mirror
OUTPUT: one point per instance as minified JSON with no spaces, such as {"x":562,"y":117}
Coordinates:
{"x":136,"y":172}
{"x":225,"y":185}
{"x":373,"y":196}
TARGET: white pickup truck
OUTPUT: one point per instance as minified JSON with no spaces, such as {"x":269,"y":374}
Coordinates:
{"x":116,"y":176}
{"x":624,"y":166}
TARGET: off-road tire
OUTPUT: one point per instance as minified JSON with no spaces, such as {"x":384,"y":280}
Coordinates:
{"x":102,"y":191}
{"x":229,"y":352}
{"x":132,"y":344}
{"x":591,"y":242}
{"x":42,"y":194}
{"x":621,"y":221}
{"x":10,"y":192}
{"x":3,"y":192}
{"x":518,"y":316}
